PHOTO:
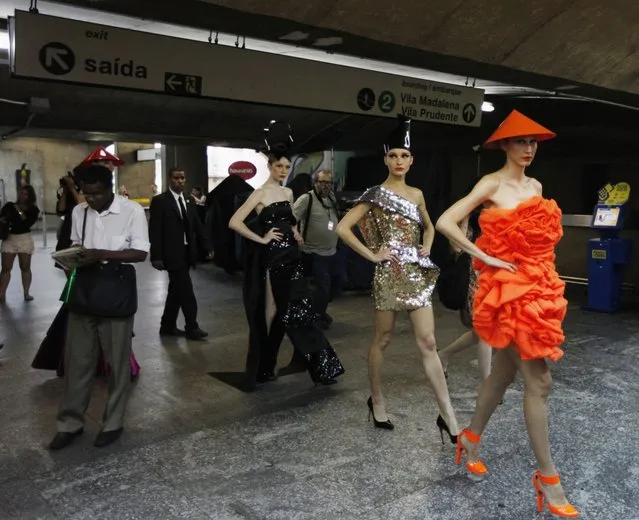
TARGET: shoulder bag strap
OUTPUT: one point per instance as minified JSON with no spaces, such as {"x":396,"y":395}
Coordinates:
{"x":308,"y":214}
{"x":84,"y":223}
{"x":71,"y":281}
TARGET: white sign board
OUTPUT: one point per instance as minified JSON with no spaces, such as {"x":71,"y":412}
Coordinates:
{"x":52,"y":48}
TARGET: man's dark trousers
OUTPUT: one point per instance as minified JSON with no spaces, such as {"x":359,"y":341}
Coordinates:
{"x":180,"y":295}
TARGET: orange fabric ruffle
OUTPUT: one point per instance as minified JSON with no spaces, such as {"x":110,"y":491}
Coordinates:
{"x":525,"y":308}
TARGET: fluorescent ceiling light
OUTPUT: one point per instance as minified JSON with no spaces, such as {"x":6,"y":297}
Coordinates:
{"x":4,"y":41}
{"x":487,"y":106}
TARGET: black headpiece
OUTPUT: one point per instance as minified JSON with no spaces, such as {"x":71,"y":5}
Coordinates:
{"x":400,"y":136}
{"x":277,"y":137}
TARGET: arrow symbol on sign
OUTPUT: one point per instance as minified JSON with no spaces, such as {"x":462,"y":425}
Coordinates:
{"x":172,"y":82}
{"x":469,"y":113}
{"x":57,"y":56}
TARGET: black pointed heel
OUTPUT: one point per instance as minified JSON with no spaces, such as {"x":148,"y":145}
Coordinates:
{"x":385,"y":425}
{"x":443,"y":427}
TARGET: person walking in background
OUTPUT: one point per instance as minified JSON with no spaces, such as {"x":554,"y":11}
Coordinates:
{"x":198,"y":196}
{"x":18,"y":217}
{"x":174,"y":229}
{"x":69,"y":196}
{"x":316,"y":213}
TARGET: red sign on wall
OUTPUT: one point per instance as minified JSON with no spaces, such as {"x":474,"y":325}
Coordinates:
{"x":243,"y":169}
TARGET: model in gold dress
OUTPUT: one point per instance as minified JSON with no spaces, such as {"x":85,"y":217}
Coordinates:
{"x":399,"y":234}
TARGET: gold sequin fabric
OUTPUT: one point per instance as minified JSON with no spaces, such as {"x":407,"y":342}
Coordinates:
{"x":396,"y":223}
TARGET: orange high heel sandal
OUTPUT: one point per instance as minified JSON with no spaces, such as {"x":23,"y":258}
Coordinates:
{"x":476,"y":470}
{"x":565,"y":511}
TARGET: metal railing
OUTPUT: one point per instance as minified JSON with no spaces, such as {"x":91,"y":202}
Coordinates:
{"x":577,"y":280}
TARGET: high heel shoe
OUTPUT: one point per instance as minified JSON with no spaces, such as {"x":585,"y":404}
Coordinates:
{"x":476,"y":470}
{"x":385,"y":425}
{"x":443,"y":427}
{"x":565,"y":511}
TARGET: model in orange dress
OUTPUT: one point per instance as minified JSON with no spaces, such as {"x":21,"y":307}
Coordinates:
{"x":519,"y":303}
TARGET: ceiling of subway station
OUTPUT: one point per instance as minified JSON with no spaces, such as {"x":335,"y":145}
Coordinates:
{"x":581,"y":47}
{"x":581,"y":41}
{"x":502,"y":49}
{"x":284,"y":46}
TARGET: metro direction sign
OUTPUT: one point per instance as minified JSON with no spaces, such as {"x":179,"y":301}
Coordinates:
{"x":50,"y":48}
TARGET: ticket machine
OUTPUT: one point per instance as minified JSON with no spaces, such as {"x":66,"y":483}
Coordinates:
{"x":608,"y":254}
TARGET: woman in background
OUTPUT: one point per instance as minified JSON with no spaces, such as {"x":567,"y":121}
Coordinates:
{"x":69,"y":196}
{"x":20,"y":216}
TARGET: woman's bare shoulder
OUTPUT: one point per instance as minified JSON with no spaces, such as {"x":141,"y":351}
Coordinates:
{"x":488,"y":184}
{"x":416,"y":194}
{"x":493,"y":178}
{"x":538,"y":186}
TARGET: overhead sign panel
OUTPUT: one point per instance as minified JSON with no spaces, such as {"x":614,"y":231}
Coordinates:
{"x":51,"y":48}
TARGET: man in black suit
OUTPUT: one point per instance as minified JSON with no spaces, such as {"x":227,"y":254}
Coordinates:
{"x":174,"y":228}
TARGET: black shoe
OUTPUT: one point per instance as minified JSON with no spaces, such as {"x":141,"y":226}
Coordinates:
{"x":63,"y":439}
{"x":328,"y":382}
{"x":265,"y":377}
{"x":105,"y":438}
{"x":443,"y":427}
{"x":196,"y":334}
{"x":385,"y":425}
{"x":327,"y":318}
{"x":166,"y":331}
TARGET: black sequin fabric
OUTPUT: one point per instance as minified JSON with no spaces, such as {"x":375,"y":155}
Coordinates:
{"x":293,"y":294}
{"x":395,"y":222}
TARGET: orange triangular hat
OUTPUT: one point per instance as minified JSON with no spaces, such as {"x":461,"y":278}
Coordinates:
{"x":100,"y":155}
{"x":518,"y":125}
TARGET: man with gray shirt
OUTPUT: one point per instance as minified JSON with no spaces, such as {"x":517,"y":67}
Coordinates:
{"x":316,"y":212}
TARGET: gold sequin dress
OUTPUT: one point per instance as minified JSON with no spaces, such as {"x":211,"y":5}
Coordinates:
{"x":396,"y":223}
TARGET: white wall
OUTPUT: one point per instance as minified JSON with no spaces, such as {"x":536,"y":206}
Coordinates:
{"x":219,"y":160}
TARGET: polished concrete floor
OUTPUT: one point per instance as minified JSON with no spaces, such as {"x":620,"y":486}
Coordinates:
{"x":195,"y":448}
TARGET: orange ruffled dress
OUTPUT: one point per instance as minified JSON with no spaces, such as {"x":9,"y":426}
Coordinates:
{"x":525,"y":308}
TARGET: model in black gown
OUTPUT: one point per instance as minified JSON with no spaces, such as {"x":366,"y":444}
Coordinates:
{"x":282,"y":262}
{"x":277,"y":296}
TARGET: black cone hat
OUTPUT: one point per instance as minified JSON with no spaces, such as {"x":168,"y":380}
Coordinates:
{"x":278,"y":138}
{"x":400,"y":136}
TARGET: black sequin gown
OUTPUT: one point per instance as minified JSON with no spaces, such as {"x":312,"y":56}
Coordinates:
{"x":282,"y":262}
